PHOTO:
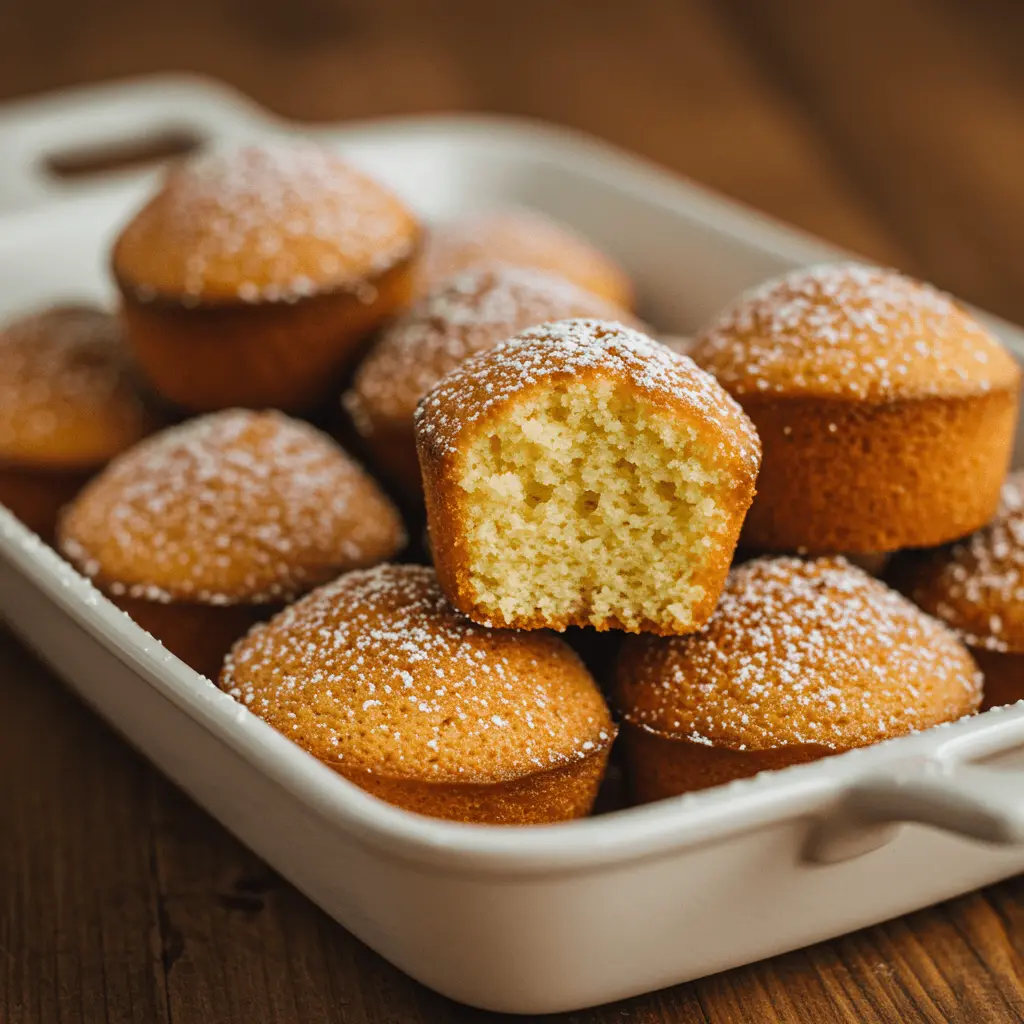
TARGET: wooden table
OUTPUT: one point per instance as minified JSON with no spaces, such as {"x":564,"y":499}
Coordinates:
{"x":893,"y":127}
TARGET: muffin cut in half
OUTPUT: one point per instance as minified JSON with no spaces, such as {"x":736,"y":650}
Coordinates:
{"x":802,"y":659}
{"x":208,"y":527}
{"x":977,"y":588}
{"x":583,"y":474}
{"x":378,"y":676}
{"x":885,"y":410}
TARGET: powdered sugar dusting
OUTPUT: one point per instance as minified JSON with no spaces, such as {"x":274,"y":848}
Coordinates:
{"x":229,"y":508}
{"x":977,"y":586}
{"x":569,"y":349}
{"x":375,"y":672}
{"x":797,"y":652}
{"x":467,"y":314}
{"x":855,"y":331}
{"x":273,"y":221}
{"x":61,"y":369}
{"x":521,"y":237}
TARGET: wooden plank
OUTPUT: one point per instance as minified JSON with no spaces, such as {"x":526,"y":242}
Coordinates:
{"x":664,"y":78}
{"x":79,"y":924}
{"x":667,"y":80}
{"x":926,"y":124}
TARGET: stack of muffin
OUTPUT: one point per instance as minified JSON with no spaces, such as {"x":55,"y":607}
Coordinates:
{"x":578,"y":477}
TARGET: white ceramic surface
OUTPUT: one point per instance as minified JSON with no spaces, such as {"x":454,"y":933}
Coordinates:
{"x":526,"y":920}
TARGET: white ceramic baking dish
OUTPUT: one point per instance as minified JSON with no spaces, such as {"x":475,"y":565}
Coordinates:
{"x":531,"y":919}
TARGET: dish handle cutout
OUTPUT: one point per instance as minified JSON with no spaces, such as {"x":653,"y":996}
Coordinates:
{"x":53,"y":146}
{"x":969,"y":800}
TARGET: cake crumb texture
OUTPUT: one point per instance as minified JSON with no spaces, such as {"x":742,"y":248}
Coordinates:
{"x":583,"y":474}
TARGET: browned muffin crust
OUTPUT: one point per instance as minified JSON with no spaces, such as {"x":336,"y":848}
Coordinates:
{"x":886,"y":412}
{"x":376,"y":675}
{"x":977,"y":588}
{"x":801,"y":659}
{"x":977,"y":585}
{"x":69,"y":402}
{"x":583,"y":474}
{"x":521,"y":237}
{"x":233,"y":509}
{"x":464,"y":315}
{"x":255,"y":274}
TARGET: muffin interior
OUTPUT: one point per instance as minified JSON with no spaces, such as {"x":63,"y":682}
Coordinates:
{"x":586,"y":501}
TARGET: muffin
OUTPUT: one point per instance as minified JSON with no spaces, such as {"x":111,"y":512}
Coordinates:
{"x":522,"y":238}
{"x":886,"y":412}
{"x":467,"y":314}
{"x":68,"y":404}
{"x":253,"y":276}
{"x":210,"y":526}
{"x":377,"y":676}
{"x":583,"y":474}
{"x":977,"y":588}
{"x":802,"y":659}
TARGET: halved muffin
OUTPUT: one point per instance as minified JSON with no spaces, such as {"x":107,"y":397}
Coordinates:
{"x":583,"y":474}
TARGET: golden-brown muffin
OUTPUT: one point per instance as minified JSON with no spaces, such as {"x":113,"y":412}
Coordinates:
{"x":521,"y":238}
{"x":802,"y":659}
{"x":210,"y":526}
{"x":68,"y":404}
{"x":977,"y":588}
{"x":886,"y":412}
{"x":467,"y":314}
{"x":583,"y":474}
{"x":376,"y":675}
{"x":254,"y":275}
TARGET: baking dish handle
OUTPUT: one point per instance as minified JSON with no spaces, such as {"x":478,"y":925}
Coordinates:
{"x":97,"y":121}
{"x":977,"y":802}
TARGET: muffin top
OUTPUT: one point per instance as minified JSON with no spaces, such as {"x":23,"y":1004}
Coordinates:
{"x":800,"y":652}
{"x":263,"y":223}
{"x":237,"y":507}
{"x":977,"y":585}
{"x":852,"y":332}
{"x":68,"y":397}
{"x":376,"y":673}
{"x":522,"y":238}
{"x":469,"y":313}
{"x":572,"y":350}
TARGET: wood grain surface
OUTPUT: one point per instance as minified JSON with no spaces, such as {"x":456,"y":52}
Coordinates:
{"x":892,"y":127}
